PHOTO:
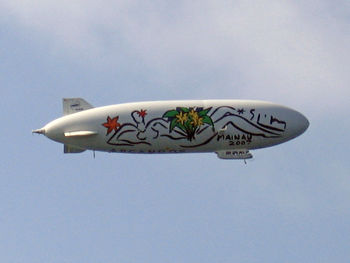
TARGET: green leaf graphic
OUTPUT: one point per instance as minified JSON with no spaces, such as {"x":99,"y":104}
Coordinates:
{"x":208,"y":120}
{"x":188,"y":120}
{"x":204,"y":112}
{"x":170,"y":114}
{"x":173,"y":124}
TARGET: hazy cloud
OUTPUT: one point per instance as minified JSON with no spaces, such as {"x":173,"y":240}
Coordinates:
{"x":282,"y":51}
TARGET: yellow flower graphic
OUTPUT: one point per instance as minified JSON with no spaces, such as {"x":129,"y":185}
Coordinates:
{"x":196,"y":120}
{"x":193,"y":114}
{"x":182,"y":117}
{"x":188,"y":121}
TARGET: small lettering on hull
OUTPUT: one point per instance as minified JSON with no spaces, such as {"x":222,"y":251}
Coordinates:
{"x":147,"y":151}
{"x":235,"y":139}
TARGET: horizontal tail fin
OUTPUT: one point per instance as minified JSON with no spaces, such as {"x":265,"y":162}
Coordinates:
{"x":79,"y":133}
{"x":73,"y":105}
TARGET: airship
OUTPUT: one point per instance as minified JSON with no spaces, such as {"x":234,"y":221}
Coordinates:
{"x":229,"y":128}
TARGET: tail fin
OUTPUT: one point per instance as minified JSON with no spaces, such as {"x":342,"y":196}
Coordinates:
{"x":73,"y":105}
{"x":72,"y":149}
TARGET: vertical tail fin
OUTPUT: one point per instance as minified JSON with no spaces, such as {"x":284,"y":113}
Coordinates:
{"x":73,"y":105}
{"x":72,"y":149}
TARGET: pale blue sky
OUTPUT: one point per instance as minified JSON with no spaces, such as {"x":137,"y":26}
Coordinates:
{"x":290,"y":204}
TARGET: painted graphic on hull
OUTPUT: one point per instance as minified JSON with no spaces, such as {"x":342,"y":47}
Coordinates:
{"x":193,"y":126}
{"x":111,"y":124}
{"x":188,"y":122}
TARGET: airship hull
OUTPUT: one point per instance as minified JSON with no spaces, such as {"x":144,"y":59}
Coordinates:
{"x":222,"y":126}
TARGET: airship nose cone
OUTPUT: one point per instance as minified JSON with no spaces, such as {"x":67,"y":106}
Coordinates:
{"x":299,"y":124}
{"x":303,"y":124}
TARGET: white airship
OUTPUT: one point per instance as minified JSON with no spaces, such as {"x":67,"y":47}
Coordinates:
{"x":230,"y":128}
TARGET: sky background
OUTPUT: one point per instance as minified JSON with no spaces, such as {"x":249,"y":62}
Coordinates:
{"x":291,"y":203}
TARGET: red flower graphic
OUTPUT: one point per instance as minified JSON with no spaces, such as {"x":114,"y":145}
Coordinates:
{"x":111,"y":124}
{"x":142,"y":113}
